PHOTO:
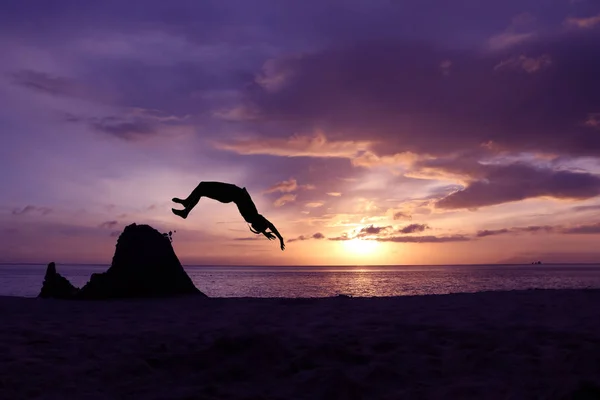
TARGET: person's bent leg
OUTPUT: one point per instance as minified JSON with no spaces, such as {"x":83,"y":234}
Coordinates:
{"x":190,"y":202}
{"x":222,"y":192}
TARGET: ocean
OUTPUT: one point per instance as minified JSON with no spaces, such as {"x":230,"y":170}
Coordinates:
{"x":358,"y":281}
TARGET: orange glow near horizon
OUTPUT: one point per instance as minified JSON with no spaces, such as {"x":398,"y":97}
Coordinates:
{"x":361,"y":247}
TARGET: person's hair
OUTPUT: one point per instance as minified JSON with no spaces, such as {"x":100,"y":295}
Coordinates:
{"x":259,"y":224}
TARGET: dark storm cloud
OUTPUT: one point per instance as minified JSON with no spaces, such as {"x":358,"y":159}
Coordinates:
{"x":497,"y":184}
{"x":394,"y":92}
{"x":360,"y":67}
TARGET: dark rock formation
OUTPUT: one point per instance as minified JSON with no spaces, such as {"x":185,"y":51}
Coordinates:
{"x":144,"y":265}
{"x":57,"y":286}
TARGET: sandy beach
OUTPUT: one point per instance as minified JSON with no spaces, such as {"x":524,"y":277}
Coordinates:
{"x":493,"y":345}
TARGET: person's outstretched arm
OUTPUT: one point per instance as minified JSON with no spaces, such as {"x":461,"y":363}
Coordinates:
{"x":276,"y":232}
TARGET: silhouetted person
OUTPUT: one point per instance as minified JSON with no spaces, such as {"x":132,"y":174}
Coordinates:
{"x":227,"y":193}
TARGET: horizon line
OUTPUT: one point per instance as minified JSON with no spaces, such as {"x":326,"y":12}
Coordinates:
{"x":318,"y":265}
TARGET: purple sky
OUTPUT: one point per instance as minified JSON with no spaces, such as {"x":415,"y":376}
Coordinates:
{"x":370,"y":132}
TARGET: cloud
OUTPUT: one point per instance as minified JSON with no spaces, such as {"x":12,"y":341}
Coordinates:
{"x":496,"y":184}
{"x":369,"y":160}
{"x":286,"y":198}
{"x":520,"y":30}
{"x":583,"y":23}
{"x":583,"y":230}
{"x":535,"y":229}
{"x":376,"y":97}
{"x":593,"y":120}
{"x":342,"y":237}
{"x":135,"y":124}
{"x":29,"y":209}
{"x":314,"y":204}
{"x":402,"y":215}
{"x":380,"y":233}
{"x":299,"y":238}
{"x":424,"y":239}
{"x":586,"y":208}
{"x":528,"y":64}
{"x":288,"y":186}
{"x":296,"y":146}
{"x":43,"y":82}
{"x":317,"y":236}
{"x":373,"y":230}
{"x":334,"y":194}
{"x":445,"y":67}
{"x":486,"y":232}
{"x":413,"y":228}
{"x":373,"y":218}
{"x":579,"y":229}
{"x":399,"y":104}
{"x":283,"y":187}
{"x":123,"y":129}
{"x":236,"y":114}
{"x":108,"y":224}
{"x":273,"y":77}
{"x":509,"y":39}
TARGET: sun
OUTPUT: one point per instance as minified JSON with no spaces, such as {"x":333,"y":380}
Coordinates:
{"x":361,"y":247}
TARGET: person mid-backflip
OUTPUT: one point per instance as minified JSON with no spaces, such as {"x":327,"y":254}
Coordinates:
{"x":227,"y":193}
